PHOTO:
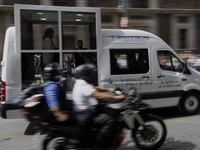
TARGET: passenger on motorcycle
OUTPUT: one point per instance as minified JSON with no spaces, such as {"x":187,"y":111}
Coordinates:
{"x":86,"y":105}
{"x":54,"y":94}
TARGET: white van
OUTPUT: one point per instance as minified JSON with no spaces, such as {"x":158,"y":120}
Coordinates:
{"x":123,"y":57}
{"x":141,"y":59}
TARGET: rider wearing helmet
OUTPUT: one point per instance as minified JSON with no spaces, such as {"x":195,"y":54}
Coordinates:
{"x":86,"y":105}
{"x":55,"y":96}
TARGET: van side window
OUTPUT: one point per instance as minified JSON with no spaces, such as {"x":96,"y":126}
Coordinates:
{"x":76,"y":27}
{"x":72,"y":60}
{"x":131,"y":61}
{"x":169,"y":62}
{"x":33,"y":67}
{"x":40,"y":30}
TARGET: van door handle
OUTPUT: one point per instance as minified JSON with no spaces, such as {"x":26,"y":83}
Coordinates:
{"x":160,"y":76}
{"x":145,"y":77}
{"x":184,"y":79}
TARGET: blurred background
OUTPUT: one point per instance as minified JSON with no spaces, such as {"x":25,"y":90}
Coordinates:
{"x":176,"y":22}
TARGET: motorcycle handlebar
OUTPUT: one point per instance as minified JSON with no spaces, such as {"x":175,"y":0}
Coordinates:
{"x":130,"y":92}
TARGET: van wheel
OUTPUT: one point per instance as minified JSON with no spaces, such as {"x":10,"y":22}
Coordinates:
{"x":190,"y":103}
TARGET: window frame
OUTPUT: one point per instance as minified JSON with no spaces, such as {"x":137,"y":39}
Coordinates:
{"x":129,"y":51}
{"x":59,"y":9}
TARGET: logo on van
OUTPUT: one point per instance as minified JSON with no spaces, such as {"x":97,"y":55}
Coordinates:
{"x":137,"y":85}
{"x":130,"y":38}
{"x":169,"y":84}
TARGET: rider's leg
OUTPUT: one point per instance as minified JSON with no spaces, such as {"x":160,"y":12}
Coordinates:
{"x":106,"y":133}
{"x":84,"y":122}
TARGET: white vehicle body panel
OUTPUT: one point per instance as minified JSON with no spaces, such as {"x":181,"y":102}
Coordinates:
{"x":11,"y":65}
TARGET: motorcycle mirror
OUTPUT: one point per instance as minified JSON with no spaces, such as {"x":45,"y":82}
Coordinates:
{"x":131,"y":92}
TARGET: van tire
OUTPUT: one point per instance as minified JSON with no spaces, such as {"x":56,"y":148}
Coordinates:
{"x":190,"y":103}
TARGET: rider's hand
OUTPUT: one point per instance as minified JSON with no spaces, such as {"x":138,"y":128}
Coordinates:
{"x":120,"y":97}
{"x":62,"y":117}
{"x":111,"y":90}
{"x":63,"y":79}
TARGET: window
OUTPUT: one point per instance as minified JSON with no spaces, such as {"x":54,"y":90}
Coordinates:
{"x":182,"y":19}
{"x":106,"y":18}
{"x":64,"y":3}
{"x":72,"y":60}
{"x":100,"y":3}
{"x":138,"y":3}
{"x":33,"y":65}
{"x":39,"y":30}
{"x":182,"y":38}
{"x":132,"y":61}
{"x":12,"y":2}
{"x":169,"y":62}
{"x":49,"y":34}
{"x":140,"y":17}
{"x":176,"y":64}
{"x":79,"y":26}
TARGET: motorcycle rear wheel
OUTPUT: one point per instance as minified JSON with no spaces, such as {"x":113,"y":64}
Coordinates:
{"x":54,"y":142}
{"x":152,"y":135}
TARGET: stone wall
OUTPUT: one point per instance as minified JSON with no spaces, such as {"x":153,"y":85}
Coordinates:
{"x":179,"y":4}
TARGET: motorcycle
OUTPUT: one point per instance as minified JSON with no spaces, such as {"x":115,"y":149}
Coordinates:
{"x":147,"y":130}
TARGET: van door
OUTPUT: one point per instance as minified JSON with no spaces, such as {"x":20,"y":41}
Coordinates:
{"x":132,"y":67}
{"x":169,"y":79}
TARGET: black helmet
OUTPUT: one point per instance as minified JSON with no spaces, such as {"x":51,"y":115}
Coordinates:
{"x":52,"y":72}
{"x":85,"y":72}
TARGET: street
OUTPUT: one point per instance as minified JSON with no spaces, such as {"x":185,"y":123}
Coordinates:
{"x":183,"y":133}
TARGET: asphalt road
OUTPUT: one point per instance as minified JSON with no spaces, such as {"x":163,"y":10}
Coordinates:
{"x":183,"y":133}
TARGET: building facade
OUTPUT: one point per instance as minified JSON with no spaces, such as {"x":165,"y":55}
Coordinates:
{"x":176,"y":22}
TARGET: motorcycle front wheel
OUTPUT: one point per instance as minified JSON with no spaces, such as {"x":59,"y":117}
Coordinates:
{"x":152,"y":135}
